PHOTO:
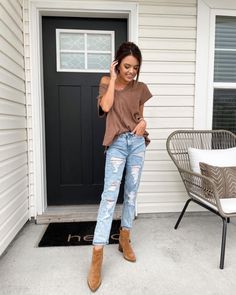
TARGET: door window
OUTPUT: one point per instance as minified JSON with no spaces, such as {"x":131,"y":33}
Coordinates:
{"x":84,"y":50}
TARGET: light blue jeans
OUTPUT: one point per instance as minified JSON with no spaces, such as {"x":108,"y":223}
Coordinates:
{"x":128,"y":149}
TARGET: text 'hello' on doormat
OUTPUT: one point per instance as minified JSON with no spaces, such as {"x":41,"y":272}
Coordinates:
{"x":75,"y":234}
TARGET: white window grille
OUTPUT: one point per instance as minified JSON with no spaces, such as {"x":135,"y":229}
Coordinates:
{"x":84,"y":50}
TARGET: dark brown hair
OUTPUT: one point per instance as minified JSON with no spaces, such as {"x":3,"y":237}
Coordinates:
{"x":126,"y":49}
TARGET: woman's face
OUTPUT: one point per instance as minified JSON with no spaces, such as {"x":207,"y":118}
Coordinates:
{"x":128,"y":68}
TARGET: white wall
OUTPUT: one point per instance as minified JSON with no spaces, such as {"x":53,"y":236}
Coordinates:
{"x":14,"y":196}
{"x":167,"y":38}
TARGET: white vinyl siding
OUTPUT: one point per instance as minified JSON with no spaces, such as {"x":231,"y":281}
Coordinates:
{"x":167,"y":38}
{"x":14,"y":196}
{"x":32,"y":200}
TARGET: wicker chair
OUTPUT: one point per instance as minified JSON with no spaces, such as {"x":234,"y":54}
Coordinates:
{"x":196,"y":184}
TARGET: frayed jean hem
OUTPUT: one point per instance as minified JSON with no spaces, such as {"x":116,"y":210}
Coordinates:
{"x":100,"y":244}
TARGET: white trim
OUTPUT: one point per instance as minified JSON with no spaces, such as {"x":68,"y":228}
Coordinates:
{"x":219,"y":4}
{"x":225,"y":49}
{"x":224,"y":85}
{"x":210,"y":80}
{"x":202,"y":60}
{"x":61,"y":8}
{"x":207,"y":11}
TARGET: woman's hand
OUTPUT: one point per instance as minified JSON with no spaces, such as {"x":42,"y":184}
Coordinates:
{"x":113,"y":72}
{"x":140,"y":128}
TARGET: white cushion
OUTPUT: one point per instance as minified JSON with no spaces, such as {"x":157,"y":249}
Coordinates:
{"x":228,"y":204}
{"x":220,"y":158}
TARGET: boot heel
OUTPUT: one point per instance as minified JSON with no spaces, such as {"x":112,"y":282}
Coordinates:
{"x":120,"y":248}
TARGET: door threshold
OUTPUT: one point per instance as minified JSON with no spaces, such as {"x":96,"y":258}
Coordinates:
{"x":73,"y":213}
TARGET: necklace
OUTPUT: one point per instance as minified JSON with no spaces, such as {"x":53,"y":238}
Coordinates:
{"x":121,"y":88}
{"x":123,"y":85}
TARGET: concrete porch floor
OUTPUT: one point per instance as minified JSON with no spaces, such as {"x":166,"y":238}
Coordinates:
{"x":169,"y":262}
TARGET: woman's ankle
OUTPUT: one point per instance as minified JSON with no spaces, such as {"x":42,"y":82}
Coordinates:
{"x":98,"y":247}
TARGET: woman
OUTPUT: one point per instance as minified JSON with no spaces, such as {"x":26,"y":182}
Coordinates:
{"x":121,"y":99}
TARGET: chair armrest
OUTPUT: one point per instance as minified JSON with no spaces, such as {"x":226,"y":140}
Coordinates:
{"x":201,"y":186}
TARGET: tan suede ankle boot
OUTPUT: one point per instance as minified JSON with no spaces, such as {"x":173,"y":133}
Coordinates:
{"x":125,"y":246}
{"x":94,"y":276}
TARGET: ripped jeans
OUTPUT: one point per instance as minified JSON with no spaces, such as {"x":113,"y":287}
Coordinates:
{"x":128,"y":149}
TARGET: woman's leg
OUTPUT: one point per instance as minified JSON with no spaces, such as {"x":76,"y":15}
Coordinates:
{"x":115,"y":163}
{"x":134,"y":165}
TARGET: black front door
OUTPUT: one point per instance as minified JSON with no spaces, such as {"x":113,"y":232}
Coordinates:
{"x":74,"y":133}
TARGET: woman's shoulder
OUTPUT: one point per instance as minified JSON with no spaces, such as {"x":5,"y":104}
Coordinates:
{"x":140,"y":85}
{"x":105,"y":80}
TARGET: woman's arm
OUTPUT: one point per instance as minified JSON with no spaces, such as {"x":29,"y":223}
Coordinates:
{"x":108,"y":98}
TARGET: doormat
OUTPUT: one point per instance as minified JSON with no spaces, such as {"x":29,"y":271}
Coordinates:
{"x":75,"y":234}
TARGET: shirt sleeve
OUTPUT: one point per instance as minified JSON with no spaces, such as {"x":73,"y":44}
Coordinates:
{"x":102,"y":91}
{"x":146,"y":94}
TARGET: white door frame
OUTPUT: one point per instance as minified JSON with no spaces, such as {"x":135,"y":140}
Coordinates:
{"x":37,"y":9}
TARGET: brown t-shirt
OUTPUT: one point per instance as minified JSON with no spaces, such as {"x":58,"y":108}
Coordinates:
{"x":124,"y":114}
